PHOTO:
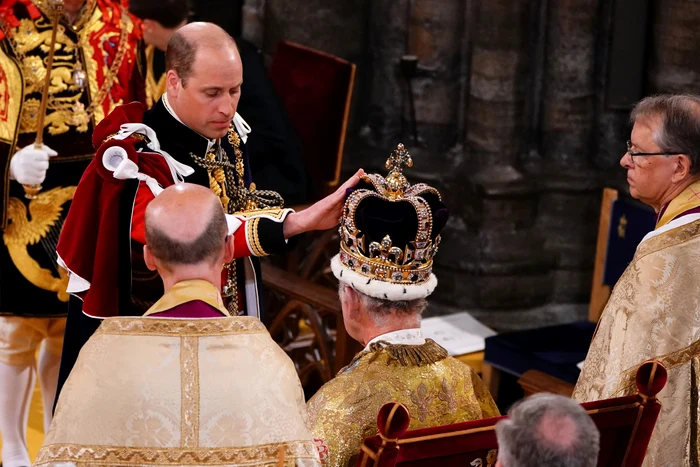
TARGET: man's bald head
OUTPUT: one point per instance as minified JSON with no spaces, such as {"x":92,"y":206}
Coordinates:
{"x":546,"y":429}
{"x":185,"y":224}
{"x":191,"y":38}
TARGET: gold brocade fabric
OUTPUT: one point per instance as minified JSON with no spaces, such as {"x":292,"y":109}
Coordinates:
{"x":344,"y":411}
{"x":654,"y":312}
{"x":176,"y":392}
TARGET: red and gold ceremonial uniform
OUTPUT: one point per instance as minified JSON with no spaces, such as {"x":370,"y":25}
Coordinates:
{"x":97,"y":66}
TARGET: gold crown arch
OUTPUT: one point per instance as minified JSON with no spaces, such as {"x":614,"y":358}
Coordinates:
{"x":383,"y":261}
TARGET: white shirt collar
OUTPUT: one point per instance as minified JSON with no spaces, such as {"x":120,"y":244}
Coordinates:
{"x":403,"y":336}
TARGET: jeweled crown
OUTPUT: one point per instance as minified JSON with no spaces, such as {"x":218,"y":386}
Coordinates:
{"x":390,"y":229}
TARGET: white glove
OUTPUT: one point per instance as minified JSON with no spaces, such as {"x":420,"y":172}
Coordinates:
{"x":29,"y":165}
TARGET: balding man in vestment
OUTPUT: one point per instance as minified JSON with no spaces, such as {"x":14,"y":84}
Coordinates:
{"x":186,"y":384}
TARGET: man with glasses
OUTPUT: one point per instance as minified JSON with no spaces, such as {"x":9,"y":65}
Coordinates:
{"x":654,"y":310}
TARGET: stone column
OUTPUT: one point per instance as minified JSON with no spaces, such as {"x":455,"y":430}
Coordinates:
{"x":674,"y":66}
{"x":432,"y":31}
{"x":497,"y":90}
{"x":569,"y":85}
{"x":611,"y":124}
{"x":503,"y":262}
{"x":388,"y":36}
{"x":334,"y":27}
{"x":569,"y":204}
{"x":253,"y":27}
{"x":436,"y":31}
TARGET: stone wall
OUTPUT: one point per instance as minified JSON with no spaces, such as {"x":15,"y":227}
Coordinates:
{"x":512,"y":126}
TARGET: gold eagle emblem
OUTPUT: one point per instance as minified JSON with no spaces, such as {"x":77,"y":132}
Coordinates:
{"x":45,"y":211}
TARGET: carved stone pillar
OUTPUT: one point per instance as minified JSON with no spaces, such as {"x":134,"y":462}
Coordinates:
{"x":612,"y":128}
{"x":569,"y":204}
{"x":253,"y":27}
{"x":436,"y":32}
{"x":507,"y":268}
{"x":495,"y":107}
{"x":675,"y":67}
{"x":331,"y":26}
{"x":388,"y":36}
{"x":569,"y":86}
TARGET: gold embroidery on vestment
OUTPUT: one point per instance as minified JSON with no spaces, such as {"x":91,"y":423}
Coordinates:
{"x":262,"y":456}
{"x":189,"y":371}
{"x":172,"y":327}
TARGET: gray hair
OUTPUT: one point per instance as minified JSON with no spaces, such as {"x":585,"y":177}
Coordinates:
{"x":679,"y":129}
{"x":379,"y":309}
{"x":205,"y":248}
{"x":546,"y":430}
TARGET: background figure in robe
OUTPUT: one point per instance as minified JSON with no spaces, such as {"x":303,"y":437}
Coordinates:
{"x":653,"y":309}
{"x":188,"y":383}
{"x":193,"y":133}
{"x":274,"y":149}
{"x":547,"y":430}
{"x":390,"y":232}
{"x":160,"y":20}
{"x":88,"y":79}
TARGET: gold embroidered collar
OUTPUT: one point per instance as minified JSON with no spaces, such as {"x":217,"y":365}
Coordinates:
{"x":405,"y":354}
{"x":188,"y":291}
{"x":687,"y":199}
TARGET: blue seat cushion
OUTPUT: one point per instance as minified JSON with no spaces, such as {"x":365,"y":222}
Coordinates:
{"x":554,"y":350}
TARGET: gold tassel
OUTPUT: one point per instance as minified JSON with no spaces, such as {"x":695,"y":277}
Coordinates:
{"x":409,"y":355}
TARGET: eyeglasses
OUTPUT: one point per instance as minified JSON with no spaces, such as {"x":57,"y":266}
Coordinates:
{"x":633,"y":153}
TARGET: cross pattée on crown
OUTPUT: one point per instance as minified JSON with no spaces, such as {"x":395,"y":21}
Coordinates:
{"x":396,"y":181}
{"x":399,"y":157}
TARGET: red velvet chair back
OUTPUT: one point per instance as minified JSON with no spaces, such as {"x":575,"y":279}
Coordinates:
{"x":625,"y":424}
{"x":316,"y":90}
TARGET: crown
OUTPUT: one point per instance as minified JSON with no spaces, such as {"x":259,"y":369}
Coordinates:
{"x":390,"y":234}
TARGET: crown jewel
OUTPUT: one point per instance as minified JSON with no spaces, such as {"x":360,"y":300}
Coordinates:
{"x":381,"y":258}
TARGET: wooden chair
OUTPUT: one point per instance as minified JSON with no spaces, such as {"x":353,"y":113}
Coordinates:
{"x":554,"y":351}
{"x":625,"y":425}
{"x":308,"y":326}
{"x":623,"y":224}
{"x":316,"y":90}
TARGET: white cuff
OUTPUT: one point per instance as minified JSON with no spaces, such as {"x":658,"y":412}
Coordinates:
{"x":233,"y":223}
{"x":76,"y":284}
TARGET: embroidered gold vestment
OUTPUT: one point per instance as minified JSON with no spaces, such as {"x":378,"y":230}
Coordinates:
{"x":437,"y":390}
{"x":654,"y":313}
{"x":179,"y":392}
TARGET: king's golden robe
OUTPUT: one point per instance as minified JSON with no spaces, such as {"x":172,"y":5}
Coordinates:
{"x":437,"y":390}
{"x":654,"y":313}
